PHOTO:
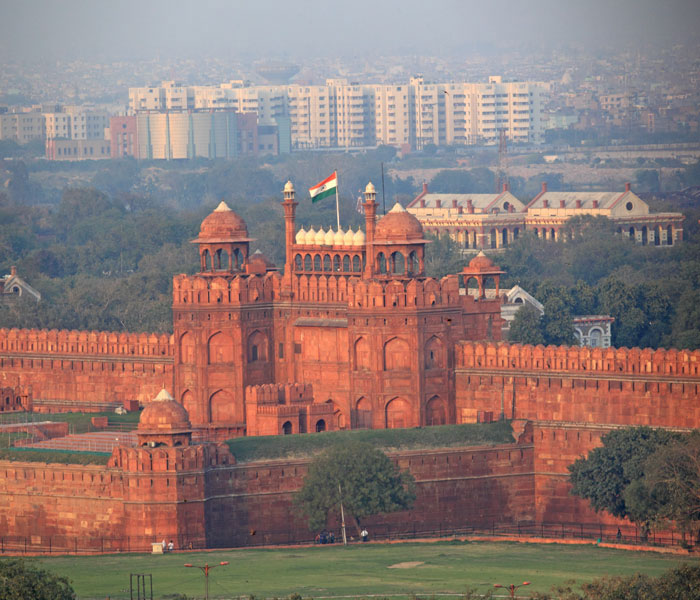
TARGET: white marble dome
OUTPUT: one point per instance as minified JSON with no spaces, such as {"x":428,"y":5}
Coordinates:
{"x":301,"y":236}
{"x":348,"y":237}
{"x":311,"y":236}
{"x":338,"y":237}
{"x":320,"y":237}
{"x":329,"y":238}
{"x":359,"y":238}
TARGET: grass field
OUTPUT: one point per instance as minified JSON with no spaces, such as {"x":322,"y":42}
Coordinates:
{"x":449,"y":567}
{"x":251,"y":448}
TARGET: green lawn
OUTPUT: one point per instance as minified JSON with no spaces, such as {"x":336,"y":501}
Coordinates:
{"x":322,"y":571}
{"x":251,"y":448}
{"x":78,"y":422}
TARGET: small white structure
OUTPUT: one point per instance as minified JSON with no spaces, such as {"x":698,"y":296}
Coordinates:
{"x":593,"y":330}
{"x":515,"y":299}
{"x":13,"y":285}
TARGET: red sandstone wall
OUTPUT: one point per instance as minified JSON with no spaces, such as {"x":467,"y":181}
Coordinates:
{"x":83,"y":370}
{"x":557,"y":445}
{"x":455,"y":488}
{"x":56,"y":506}
{"x":579,"y":385}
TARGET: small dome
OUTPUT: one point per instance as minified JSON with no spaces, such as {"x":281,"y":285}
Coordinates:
{"x":398,"y":225}
{"x":301,"y":236}
{"x":311,"y":236}
{"x":348,"y":237}
{"x":370,"y":189}
{"x":289,"y":186}
{"x":359,"y":238}
{"x":481,"y":262}
{"x":223,"y":225}
{"x":320,"y":237}
{"x":329,"y":237}
{"x":338,"y":237}
{"x":164,"y":415}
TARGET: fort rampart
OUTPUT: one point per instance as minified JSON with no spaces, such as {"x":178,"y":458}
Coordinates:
{"x":85,"y":370}
{"x":660,"y":388}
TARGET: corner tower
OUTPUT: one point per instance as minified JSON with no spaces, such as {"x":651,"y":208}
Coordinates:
{"x":223,"y":242}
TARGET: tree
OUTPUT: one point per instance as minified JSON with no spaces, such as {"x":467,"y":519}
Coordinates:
{"x":363,"y":477}
{"x":442,"y":256}
{"x":526,"y":327}
{"x":20,"y":580}
{"x":605,"y":474}
{"x":672,"y":479}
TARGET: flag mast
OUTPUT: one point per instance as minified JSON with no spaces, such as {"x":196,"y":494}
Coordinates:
{"x":337,"y":205}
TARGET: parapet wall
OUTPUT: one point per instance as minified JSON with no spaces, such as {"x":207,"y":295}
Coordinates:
{"x":279,"y":393}
{"x":660,"y":388}
{"x":86,"y":370}
{"x":583,"y":360}
{"x":238,"y":290}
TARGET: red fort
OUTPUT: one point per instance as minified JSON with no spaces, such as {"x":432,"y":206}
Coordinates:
{"x":350,"y":334}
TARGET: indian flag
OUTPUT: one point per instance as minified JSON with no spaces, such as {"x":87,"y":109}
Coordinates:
{"x":324,"y":189}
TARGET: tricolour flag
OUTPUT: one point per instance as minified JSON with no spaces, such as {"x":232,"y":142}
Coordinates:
{"x":324,"y":189}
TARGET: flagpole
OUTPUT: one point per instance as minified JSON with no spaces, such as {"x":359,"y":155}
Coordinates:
{"x":337,"y":205}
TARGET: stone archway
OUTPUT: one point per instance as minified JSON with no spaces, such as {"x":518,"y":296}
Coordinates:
{"x":435,"y":411}
{"x":397,"y":414}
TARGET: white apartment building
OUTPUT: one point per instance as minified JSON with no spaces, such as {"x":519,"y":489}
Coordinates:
{"x":22,"y":127}
{"x":346,"y":114}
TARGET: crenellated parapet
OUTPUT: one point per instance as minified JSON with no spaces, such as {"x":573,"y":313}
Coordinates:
{"x":90,"y":343}
{"x":408,"y":293}
{"x":279,"y":394}
{"x":168,"y":459}
{"x":580,"y":360}
{"x":232,"y":290}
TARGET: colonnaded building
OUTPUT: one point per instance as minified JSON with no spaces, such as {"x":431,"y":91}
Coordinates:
{"x":351,"y":334}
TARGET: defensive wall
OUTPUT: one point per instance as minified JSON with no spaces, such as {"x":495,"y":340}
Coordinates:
{"x":85,"y":370}
{"x":613,"y":386}
{"x":198,"y":497}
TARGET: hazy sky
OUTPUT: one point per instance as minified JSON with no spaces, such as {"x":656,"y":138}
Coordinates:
{"x":144,"y":29}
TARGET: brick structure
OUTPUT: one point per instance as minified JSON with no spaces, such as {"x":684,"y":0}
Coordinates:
{"x":351,"y":334}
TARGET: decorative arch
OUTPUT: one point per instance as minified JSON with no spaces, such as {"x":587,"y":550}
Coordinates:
{"x":317,"y":262}
{"x":362,"y":354}
{"x":257,"y":347}
{"x":398,"y":263}
{"x":435,"y":411}
{"x":287,"y":428}
{"x":188,"y":402}
{"x":326,"y":262}
{"x":187,"y":349}
{"x":222,"y":407}
{"x":363,"y":414}
{"x":346,"y":263}
{"x":307,"y":263}
{"x":396,"y":355}
{"x":595,"y":337}
{"x":220,"y":349}
{"x":397,"y":414}
{"x":356,"y":264}
{"x":320,"y":426}
{"x":434,"y":353}
{"x":298,"y":263}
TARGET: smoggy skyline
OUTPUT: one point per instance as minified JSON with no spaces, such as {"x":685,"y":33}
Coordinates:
{"x":152,"y":29}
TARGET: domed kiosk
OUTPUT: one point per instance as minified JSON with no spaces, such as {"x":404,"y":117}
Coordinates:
{"x":398,"y":245}
{"x":223,"y":241}
{"x":482,"y":268}
{"x":164,"y":422}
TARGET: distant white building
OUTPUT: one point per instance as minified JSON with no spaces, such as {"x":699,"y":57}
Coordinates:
{"x":13,"y":286}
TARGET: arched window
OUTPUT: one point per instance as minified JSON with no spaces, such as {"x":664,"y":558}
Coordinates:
{"x":257,"y":347}
{"x":412,"y":266}
{"x":207,"y":261}
{"x":298,"y":263}
{"x":397,"y":414}
{"x":287,"y":428}
{"x":307,"y":263}
{"x":320,"y":426}
{"x":336,"y":263}
{"x":644,"y":236}
{"x":516,"y":233}
{"x":596,"y":338}
{"x":398,"y":265}
{"x":435,"y":412}
{"x":187,"y":349}
{"x":317,"y":263}
{"x":220,"y":349}
{"x":222,"y":259}
{"x":355,"y":264}
{"x":504,"y":237}
{"x":434,"y":354}
{"x":346,"y":264}
{"x":381,"y":263}
{"x":363,"y":414}
{"x":223,"y":407}
{"x":326,"y":263}
{"x":362,"y":354}
{"x":396,"y":355}
{"x":492,"y":235}
{"x":669,"y":236}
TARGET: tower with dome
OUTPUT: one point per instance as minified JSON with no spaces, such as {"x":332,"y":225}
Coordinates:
{"x":349,"y":334}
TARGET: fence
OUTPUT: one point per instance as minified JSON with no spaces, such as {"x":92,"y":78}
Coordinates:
{"x":630,"y":534}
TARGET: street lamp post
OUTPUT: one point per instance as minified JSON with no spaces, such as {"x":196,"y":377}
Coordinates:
{"x":512,"y":587}
{"x":205,"y":569}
